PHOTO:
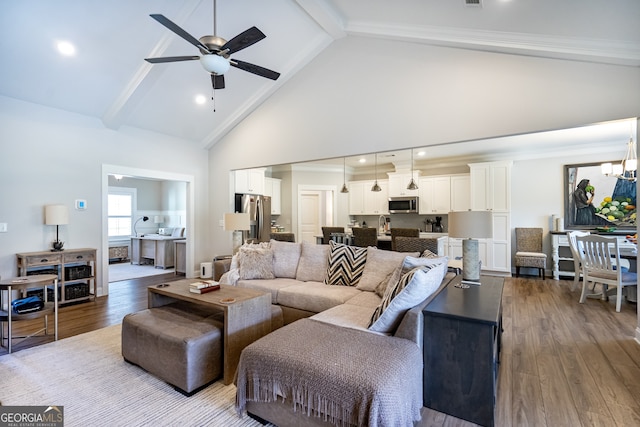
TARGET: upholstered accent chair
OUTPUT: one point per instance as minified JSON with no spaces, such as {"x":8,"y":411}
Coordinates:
{"x":416,"y":244}
{"x":363,"y":237}
{"x":529,"y":250}
{"x":284,"y":237}
{"x":406,"y":232}
{"x":327,"y":231}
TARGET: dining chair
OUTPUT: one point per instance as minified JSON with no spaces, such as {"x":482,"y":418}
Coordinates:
{"x":600,"y":264}
{"x":406,"y":232}
{"x":365,"y":236}
{"x":529,"y":250}
{"x":327,"y":231}
{"x":416,"y":244}
{"x":283,"y":237}
{"x":576,"y":254}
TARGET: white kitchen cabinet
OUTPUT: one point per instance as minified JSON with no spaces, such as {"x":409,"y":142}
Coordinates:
{"x":434,"y":195}
{"x":363,"y":201}
{"x":491,"y":186}
{"x":398,"y":184}
{"x":495,"y":253}
{"x":460,"y":193}
{"x":272,"y":188}
{"x":249,"y":181}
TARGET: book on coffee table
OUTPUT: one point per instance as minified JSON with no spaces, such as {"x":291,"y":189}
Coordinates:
{"x":203,"y":287}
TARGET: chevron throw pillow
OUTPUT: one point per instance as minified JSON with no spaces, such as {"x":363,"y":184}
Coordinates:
{"x":346,"y":264}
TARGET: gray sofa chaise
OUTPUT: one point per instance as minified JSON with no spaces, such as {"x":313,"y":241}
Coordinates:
{"x":347,"y":347}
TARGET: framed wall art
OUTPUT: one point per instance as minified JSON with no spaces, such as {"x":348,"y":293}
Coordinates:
{"x":596,"y":201}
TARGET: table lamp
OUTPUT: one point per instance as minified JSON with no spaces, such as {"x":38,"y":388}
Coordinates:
{"x":470,"y":225}
{"x":56,"y":215}
{"x":238,"y":223}
{"x":135,"y":224}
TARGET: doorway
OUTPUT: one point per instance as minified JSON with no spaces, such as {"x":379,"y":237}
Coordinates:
{"x":316,"y":208}
{"x":186,"y":215}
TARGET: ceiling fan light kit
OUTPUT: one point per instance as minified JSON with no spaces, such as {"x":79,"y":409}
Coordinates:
{"x":215,"y":64}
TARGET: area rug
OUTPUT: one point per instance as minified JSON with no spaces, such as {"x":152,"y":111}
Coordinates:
{"x":88,"y":377}
{"x":126,"y":271}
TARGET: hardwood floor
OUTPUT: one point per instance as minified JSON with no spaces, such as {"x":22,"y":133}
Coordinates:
{"x":562,"y":363}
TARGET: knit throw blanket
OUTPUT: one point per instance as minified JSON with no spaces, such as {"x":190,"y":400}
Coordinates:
{"x":345,"y":376}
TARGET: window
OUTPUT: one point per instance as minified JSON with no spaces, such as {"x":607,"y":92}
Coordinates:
{"x":120,"y":204}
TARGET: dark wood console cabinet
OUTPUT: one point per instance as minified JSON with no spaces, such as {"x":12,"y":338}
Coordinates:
{"x":462,"y":331}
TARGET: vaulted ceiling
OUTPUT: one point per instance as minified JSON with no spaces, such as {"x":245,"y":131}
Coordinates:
{"x":107,"y":77}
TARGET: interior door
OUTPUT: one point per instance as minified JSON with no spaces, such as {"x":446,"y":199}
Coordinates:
{"x":309,"y":215}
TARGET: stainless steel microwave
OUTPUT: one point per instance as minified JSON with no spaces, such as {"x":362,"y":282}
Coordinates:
{"x":403,"y":204}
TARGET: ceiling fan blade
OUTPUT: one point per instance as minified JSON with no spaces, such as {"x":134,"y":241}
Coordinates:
{"x":243,"y":40}
{"x":217,"y":81}
{"x":255,"y":69}
{"x":171,"y":59}
{"x":179,"y":31}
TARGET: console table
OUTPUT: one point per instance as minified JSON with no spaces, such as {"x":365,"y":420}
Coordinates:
{"x":75,"y":269}
{"x":563,"y":258}
{"x":462,"y":331}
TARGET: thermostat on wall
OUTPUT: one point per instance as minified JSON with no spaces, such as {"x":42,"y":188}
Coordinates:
{"x":81,"y":204}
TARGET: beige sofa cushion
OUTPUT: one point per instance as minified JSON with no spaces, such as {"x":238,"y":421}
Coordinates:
{"x":272,"y":286}
{"x":365,"y":299}
{"x":379,"y":265}
{"x":348,"y":316}
{"x":286,"y":256}
{"x":314,"y":260}
{"x":315,"y":296}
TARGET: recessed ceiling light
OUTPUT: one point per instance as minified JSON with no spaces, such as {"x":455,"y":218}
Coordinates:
{"x":421,"y":153}
{"x":201,"y":99}
{"x":66,"y":48}
{"x":363,"y":160}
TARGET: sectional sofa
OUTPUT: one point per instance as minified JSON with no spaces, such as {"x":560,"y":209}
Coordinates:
{"x":346,"y":345}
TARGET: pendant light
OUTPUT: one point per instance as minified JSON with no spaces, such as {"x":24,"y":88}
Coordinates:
{"x":412,"y":184}
{"x":627,"y":169}
{"x":376,"y":187}
{"x":344,"y":189}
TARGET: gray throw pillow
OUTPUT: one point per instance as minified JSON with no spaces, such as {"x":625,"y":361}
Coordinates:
{"x":255,"y":263}
{"x":379,"y":264}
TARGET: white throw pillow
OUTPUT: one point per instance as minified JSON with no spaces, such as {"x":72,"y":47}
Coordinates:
{"x":413,"y":287}
{"x":255,"y":263}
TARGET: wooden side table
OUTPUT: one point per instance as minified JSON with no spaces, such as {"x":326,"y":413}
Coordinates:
{"x":462,"y":332}
{"x":22,"y":284}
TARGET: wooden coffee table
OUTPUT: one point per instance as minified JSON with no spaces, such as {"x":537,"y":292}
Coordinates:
{"x":247,"y":314}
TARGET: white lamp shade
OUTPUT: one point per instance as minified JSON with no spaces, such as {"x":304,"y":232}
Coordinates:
{"x":606,"y":168}
{"x":158,"y":219}
{"x":215,"y":63}
{"x":236,"y":221}
{"x":56,"y":215}
{"x":471,"y":225}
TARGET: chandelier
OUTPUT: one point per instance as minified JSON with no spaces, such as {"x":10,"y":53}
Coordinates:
{"x":627,"y":169}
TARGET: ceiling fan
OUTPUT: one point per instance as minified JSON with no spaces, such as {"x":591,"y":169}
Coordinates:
{"x":216,"y":51}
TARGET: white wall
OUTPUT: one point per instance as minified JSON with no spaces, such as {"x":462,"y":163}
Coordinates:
{"x":52,"y":156}
{"x":365,"y":95}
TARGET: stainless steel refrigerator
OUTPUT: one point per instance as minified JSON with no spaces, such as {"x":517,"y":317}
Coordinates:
{"x":259,"y":210}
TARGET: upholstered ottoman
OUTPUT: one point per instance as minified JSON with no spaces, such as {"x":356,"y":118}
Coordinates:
{"x":180,"y":346}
